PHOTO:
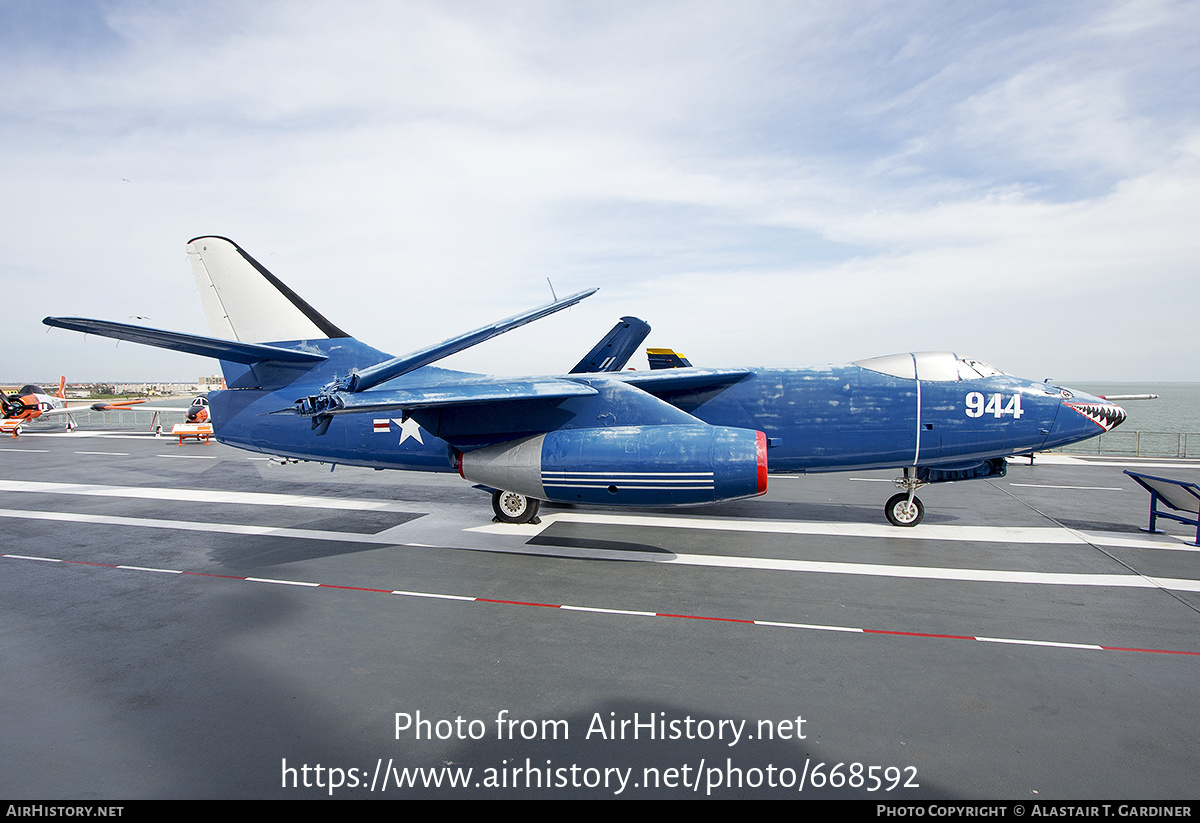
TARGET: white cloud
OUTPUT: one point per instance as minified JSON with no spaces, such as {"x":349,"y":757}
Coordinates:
{"x":766,"y":183}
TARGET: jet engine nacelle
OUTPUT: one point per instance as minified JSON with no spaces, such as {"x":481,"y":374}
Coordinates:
{"x":664,"y":465}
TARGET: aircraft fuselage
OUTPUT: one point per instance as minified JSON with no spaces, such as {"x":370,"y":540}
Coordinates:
{"x":816,"y":419}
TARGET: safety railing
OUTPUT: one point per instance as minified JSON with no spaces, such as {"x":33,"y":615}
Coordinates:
{"x":116,"y":419}
{"x":1139,"y":444}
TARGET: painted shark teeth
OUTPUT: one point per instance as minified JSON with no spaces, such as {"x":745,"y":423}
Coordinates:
{"x":1104,"y":415}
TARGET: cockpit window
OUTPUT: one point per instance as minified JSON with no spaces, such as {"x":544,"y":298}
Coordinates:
{"x":973,"y":369}
{"x":936,"y":365}
{"x":941,"y":366}
{"x":897,"y":365}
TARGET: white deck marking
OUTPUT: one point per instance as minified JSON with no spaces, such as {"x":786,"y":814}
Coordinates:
{"x":1047,"y":486}
{"x":989,"y":534}
{"x":608,"y":611}
{"x":191,"y":525}
{"x":985,"y":534}
{"x":433,"y":595}
{"x":202,"y":496}
{"x":1051,"y":643}
{"x":1132,"y":581}
{"x":1047,"y":459}
{"x":1048,"y":535}
{"x":109,"y":454}
{"x":814,"y":626}
{"x":1044,"y":535}
{"x":1132,"y":541}
{"x":280,"y":582}
{"x":898,"y":633}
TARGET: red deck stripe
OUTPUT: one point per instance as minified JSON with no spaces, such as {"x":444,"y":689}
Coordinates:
{"x":517,"y":603}
{"x":702,"y":617}
{"x":656,"y":614}
{"x":919,"y":634}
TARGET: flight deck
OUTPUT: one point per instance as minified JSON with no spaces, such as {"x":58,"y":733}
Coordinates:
{"x":193,"y":621}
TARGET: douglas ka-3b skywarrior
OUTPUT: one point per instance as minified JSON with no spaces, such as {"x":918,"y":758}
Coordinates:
{"x":300,"y":387}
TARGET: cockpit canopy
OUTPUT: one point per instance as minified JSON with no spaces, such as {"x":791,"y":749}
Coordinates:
{"x":929,"y":365}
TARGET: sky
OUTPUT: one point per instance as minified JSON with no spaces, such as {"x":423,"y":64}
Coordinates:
{"x":765,"y":183}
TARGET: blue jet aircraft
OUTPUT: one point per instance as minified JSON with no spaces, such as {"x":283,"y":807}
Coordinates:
{"x":300,"y":387}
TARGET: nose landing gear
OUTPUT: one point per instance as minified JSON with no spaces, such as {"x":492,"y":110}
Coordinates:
{"x":905,"y":509}
{"x":901,"y":511}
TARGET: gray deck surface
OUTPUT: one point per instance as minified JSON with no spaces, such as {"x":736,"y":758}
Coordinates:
{"x":129,"y":683}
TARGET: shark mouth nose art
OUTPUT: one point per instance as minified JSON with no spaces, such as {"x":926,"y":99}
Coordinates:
{"x":1104,"y":415}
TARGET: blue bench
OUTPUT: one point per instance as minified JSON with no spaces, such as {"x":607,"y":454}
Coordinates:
{"x":1179,"y":495}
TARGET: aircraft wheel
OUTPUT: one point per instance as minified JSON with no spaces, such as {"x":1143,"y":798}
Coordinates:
{"x":899,"y":513}
{"x":512,"y":507}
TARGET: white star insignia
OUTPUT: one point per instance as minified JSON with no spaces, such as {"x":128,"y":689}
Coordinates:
{"x":409,"y":428}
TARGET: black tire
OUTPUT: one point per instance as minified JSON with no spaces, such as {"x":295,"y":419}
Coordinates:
{"x":897,"y":510}
{"x":511,"y":507}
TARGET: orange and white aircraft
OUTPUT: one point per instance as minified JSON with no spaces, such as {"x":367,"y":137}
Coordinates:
{"x":31,"y":402}
{"x":197,"y":423}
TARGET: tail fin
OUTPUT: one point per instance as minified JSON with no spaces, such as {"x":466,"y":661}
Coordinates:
{"x":62,"y":387}
{"x":615,"y":348}
{"x":245,"y":302}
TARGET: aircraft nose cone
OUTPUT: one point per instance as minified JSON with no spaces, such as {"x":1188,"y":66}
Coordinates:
{"x":1105,"y":415}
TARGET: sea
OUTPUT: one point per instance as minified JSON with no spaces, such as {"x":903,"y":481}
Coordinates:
{"x":1168,"y":426}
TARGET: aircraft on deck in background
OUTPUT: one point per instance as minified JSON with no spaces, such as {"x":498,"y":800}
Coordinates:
{"x":198,"y":411}
{"x":195,"y":412}
{"x":31,"y":402}
{"x":300,"y":387}
{"x":195,"y":423}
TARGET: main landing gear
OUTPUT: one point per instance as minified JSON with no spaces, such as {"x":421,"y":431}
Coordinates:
{"x":512,"y":507}
{"x":905,"y":509}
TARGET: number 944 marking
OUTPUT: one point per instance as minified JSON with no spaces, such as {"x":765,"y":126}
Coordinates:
{"x":978,"y":405}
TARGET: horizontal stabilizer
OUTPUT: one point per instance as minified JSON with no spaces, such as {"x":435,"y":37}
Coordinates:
{"x":388,"y":369}
{"x":615,"y":348}
{"x":457,"y":394}
{"x":247,"y":353}
{"x":666,"y":359}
